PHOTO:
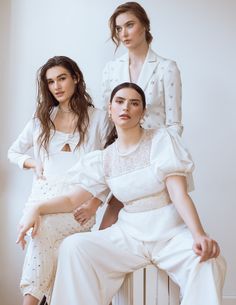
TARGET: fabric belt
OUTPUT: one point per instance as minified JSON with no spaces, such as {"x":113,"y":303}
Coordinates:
{"x":148,"y":203}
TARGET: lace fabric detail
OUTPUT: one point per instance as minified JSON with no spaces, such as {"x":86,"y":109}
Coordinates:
{"x":116,"y":164}
{"x":148,"y":203}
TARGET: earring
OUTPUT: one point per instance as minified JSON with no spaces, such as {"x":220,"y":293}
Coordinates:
{"x":109,"y":116}
{"x":142,"y":121}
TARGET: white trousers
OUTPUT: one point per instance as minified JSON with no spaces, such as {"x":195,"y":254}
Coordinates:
{"x":92,"y":267}
{"x":41,"y":257}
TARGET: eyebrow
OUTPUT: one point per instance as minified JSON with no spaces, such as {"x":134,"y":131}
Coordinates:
{"x":130,"y":99}
{"x":60,"y":75}
{"x":129,"y":21}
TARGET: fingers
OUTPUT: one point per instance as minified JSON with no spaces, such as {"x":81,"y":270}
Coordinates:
{"x":21,"y":238}
{"x":39,"y":172}
{"x":40,"y":176}
{"x":35,"y":228}
{"x":206,"y":249}
{"x":82,"y":215}
{"x":82,"y":219}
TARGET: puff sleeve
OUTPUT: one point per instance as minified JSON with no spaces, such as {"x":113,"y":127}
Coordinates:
{"x":88,"y":173}
{"x":17,"y":151}
{"x":170,"y":157}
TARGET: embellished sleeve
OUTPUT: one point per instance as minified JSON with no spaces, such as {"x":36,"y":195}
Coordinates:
{"x":169,"y":156}
{"x":88,"y":173}
{"x":17,"y":152}
{"x":106,"y":87}
{"x":173,"y":92}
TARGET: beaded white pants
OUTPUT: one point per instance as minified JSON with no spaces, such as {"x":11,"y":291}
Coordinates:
{"x":41,"y":257}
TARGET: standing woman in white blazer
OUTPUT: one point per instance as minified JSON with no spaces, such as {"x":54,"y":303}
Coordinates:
{"x":157,"y":76}
{"x":64,"y":128}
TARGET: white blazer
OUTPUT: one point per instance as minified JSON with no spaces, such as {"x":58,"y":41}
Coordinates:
{"x":161,"y":83}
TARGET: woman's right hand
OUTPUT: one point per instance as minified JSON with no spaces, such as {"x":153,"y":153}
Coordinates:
{"x":37,"y":166}
{"x":39,"y":171}
{"x":30,"y":219}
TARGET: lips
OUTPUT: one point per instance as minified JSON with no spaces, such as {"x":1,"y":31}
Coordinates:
{"x":124,"y":116}
{"x":59,"y":93}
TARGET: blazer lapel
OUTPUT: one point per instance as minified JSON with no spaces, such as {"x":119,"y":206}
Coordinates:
{"x":123,"y":70}
{"x":149,"y":66}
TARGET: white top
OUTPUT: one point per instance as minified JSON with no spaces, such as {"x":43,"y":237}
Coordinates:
{"x":161,"y":83}
{"x":98,"y":129}
{"x":137,"y":178}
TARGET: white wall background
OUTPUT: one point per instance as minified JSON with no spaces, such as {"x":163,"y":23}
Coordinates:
{"x":199,"y":35}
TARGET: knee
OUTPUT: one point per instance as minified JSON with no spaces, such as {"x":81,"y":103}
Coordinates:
{"x":78,"y":244}
{"x":73,"y":244}
{"x":46,"y":228}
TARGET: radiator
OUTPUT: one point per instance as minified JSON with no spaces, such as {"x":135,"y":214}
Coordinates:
{"x":147,"y":286}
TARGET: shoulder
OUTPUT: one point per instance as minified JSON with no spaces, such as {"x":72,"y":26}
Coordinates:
{"x":97,"y":116}
{"x":110,"y":65}
{"x":33,"y":123}
{"x":99,"y":123}
{"x":165,"y":139}
{"x":93,"y":157}
{"x":95,"y":113}
{"x":168,"y":64}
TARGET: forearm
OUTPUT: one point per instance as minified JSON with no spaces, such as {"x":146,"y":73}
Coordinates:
{"x":94,"y":204}
{"x":111,"y":214}
{"x":177,"y":188}
{"x":188,"y":212}
{"x":64,"y":204}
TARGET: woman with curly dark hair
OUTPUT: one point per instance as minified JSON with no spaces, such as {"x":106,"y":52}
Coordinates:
{"x":65,"y":127}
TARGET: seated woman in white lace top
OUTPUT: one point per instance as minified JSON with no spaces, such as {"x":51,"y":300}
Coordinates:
{"x":148,"y":171}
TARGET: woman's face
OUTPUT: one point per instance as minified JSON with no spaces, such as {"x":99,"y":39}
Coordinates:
{"x":130,"y":30}
{"x":60,"y":84}
{"x":126,"y":108}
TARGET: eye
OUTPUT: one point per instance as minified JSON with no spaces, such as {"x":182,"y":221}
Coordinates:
{"x":118,"y":29}
{"x":135,"y":103}
{"x":62,"y":78}
{"x":130,"y":25}
{"x":119,"y":101}
{"x":50,"y":82}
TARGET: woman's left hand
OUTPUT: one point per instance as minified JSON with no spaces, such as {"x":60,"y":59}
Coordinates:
{"x":29,"y":220}
{"x":206,"y":247}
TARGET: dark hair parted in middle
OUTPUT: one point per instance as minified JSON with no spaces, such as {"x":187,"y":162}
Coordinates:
{"x":132,"y":86}
{"x":138,"y":11}
{"x":113,"y":134}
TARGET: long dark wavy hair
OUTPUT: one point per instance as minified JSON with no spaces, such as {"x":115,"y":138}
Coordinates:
{"x":79,"y":102}
{"x":113,"y":134}
{"x":138,"y":11}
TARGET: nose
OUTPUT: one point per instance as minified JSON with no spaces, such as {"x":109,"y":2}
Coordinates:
{"x":123,"y":32}
{"x":126,"y":105}
{"x":57,"y":85}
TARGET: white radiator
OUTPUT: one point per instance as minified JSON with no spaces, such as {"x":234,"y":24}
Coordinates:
{"x":147,"y":286}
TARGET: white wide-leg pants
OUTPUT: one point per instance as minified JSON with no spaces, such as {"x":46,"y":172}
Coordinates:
{"x":92,"y":267}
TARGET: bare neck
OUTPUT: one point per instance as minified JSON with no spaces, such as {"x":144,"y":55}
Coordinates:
{"x":128,"y":138}
{"x":138,"y":55}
